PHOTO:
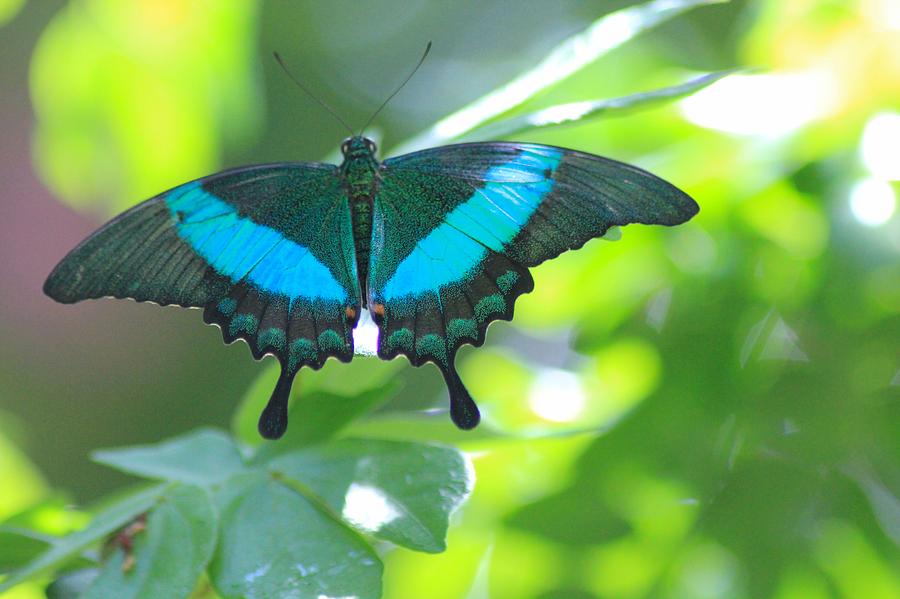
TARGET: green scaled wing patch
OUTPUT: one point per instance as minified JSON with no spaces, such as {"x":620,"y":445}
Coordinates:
{"x":455,"y":228}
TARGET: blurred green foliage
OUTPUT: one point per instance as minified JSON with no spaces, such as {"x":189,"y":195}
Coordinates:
{"x":149,"y":98}
{"x":711,"y":411}
{"x":9,"y":9}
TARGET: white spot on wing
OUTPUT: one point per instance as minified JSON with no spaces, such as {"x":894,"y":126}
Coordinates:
{"x":365,"y":335}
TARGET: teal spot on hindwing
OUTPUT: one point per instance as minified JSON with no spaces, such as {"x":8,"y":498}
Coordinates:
{"x":238,"y":248}
{"x":243,"y":323}
{"x":506,"y":281}
{"x":227,"y":306}
{"x":488,"y":306}
{"x":330,"y":340}
{"x":400,"y":339}
{"x":273,"y":337}
{"x":488,"y":220}
{"x":461,"y":328}
{"x":432,"y":345}
{"x":302,"y":350}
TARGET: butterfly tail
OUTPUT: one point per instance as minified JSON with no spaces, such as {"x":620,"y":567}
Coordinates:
{"x":463,"y":410}
{"x":274,"y":418}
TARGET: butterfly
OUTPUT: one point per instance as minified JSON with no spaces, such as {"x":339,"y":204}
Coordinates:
{"x":436,"y":244}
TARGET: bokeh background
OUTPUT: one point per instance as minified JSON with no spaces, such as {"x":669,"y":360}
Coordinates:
{"x":711,"y":411}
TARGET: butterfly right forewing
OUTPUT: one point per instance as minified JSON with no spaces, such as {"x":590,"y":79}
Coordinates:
{"x":456,"y":228}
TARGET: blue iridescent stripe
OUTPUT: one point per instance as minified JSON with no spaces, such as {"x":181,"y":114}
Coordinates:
{"x":489,"y":219}
{"x":240,"y":249}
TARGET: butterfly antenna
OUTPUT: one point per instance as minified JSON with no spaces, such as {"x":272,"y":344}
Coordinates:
{"x":312,"y":95}
{"x":399,"y":87}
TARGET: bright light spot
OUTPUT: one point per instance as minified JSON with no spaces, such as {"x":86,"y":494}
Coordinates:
{"x":872,"y":202}
{"x":694,"y":250}
{"x":468,"y":458}
{"x":557,"y":395}
{"x":261,"y":571}
{"x":307,"y":570}
{"x":365,"y":335}
{"x":891,"y":14}
{"x":789,"y":427}
{"x":708,"y":572}
{"x":884,"y":14}
{"x":783,"y":344}
{"x":766,"y":105}
{"x":658,"y":309}
{"x":562,"y":113}
{"x":772,"y":339}
{"x":880,"y":147}
{"x":341,"y":597}
{"x":368,"y":507}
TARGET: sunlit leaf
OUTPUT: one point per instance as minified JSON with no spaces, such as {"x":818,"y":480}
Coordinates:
{"x":400,"y":492}
{"x":276,"y":542}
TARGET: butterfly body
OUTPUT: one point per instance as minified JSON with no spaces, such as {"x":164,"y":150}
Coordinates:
{"x":360,"y":172}
{"x":436,"y":244}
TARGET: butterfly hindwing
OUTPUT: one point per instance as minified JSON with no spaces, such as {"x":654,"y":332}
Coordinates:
{"x":455,"y":228}
{"x":266,"y":251}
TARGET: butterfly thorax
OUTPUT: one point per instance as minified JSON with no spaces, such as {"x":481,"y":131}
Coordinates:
{"x":359,"y":172}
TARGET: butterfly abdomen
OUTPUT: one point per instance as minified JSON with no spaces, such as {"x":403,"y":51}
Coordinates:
{"x":360,"y":172}
{"x":362,"y":239}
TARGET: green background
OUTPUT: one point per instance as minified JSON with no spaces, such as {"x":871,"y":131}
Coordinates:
{"x":708,"y":411}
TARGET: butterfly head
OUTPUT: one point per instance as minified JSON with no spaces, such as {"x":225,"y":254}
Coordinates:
{"x":358,"y":147}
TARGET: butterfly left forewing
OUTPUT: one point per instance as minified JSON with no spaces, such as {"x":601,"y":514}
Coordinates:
{"x":455,"y":228}
{"x":266,"y":251}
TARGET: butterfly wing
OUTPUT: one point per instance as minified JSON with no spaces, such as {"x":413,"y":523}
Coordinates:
{"x":267,"y":251}
{"x":455,"y":229}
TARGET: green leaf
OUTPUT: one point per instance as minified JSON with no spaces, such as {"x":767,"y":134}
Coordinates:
{"x":170,"y":555}
{"x":72,"y":584}
{"x":885,"y":504}
{"x":577,"y":111}
{"x":203,"y":457}
{"x":110,"y":519}
{"x":18,"y":547}
{"x":398,"y":491}
{"x":603,"y":35}
{"x":275,"y":542}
